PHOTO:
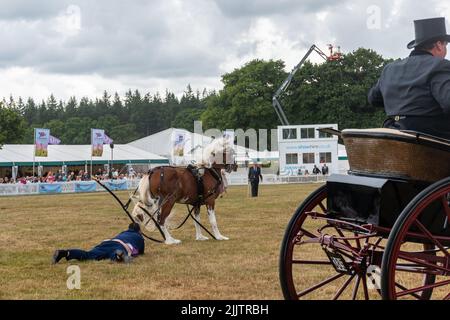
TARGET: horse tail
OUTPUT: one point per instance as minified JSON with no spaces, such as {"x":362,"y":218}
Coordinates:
{"x":144,"y":191}
{"x":145,"y":198}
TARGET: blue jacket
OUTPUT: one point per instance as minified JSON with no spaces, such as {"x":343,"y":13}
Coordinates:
{"x":134,"y":238}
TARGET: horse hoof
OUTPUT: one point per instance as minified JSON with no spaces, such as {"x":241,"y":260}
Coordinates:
{"x":173,"y":241}
{"x":201,"y":238}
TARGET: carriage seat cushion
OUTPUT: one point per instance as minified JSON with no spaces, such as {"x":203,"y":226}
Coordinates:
{"x":402,"y":135}
{"x":397,"y":154}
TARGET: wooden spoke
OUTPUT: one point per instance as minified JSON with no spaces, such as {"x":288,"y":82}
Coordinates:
{"x":398,"y":285}
{"x":366,"y":292}
{"x":355,"y":290}
{"x":422,"y":263}
{"x":322,"y":207}
{"x":431,"y":237}
{"x":430,"y":286}
{"x":308,"y":234}
{"x":319,"y":285}
{"x":341,"y":290}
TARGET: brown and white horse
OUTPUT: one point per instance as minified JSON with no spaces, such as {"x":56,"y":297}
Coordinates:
{"x":164,"y":186}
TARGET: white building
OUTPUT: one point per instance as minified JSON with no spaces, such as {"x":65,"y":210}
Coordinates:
{"x":343,"y":160}
{"x":302,"y":147}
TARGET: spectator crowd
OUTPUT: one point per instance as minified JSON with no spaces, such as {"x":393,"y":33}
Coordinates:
{"x":316,"y":170}
{"x":79,"y":175}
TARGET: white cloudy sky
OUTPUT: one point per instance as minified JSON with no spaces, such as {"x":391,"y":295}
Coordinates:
{"x":82,"y":47}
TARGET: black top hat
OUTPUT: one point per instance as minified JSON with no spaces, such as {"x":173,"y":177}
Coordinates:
{"x":428,"y":30}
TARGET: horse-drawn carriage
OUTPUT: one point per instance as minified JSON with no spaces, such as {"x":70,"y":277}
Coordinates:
{"x":383,"y":229}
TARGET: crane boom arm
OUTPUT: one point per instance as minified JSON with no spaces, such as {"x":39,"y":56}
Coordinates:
{"x":276,"y":104}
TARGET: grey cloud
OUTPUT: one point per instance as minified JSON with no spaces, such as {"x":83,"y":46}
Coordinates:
{"x":115,"y":39}
{"x":349,"y":26}
{"x":30,"y":10}
{"x":179,"y":39}
{"x":248,"y":8}
{"x":346,"y":25}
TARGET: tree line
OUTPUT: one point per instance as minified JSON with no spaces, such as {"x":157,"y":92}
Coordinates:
{"x":331,"y":92}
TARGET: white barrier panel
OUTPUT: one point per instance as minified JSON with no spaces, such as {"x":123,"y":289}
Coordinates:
{"x":274,"y":179}
{"x":18,"y":189}
{"x":131,"y":184}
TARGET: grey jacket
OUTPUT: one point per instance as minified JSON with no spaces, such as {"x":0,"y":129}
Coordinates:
{"x":416,"y":86}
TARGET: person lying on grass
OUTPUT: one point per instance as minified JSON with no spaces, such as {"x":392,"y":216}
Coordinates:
{"x":121,"y":248}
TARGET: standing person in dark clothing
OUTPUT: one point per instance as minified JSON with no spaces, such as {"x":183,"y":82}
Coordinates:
{"x":316,"y":170}
{"x":325,"y":169}
{"x":122,"y":247}
{"x":415,"y":92}
{"x":254,"y":176}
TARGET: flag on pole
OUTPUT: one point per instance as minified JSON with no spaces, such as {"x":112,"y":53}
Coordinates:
{"x":97,"y":141}
{"x":181,"y":144}
{"x":53,"y":140}
{"x":107,"y":140}
{"x":41,"y":140}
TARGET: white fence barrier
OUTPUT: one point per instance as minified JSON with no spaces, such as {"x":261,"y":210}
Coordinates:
{"x":65,"y":187}
{"x":274,"y":179}
{"x":131,"y":184}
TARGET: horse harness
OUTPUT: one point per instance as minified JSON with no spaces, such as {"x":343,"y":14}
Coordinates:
{"x":198,"y":176}
{"x":200,"y":190}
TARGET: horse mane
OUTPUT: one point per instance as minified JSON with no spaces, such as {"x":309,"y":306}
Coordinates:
{"x":216,"y":147}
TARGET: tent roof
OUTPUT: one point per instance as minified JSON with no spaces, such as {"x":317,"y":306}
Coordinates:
{"x":22,"y":155}
{"x":161,"y":142}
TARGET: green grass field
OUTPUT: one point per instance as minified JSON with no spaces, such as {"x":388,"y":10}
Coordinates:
{"x":244,"y":267}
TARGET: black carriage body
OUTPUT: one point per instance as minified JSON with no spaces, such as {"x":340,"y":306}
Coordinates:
{"x":369,"y":200}
{"x":379,"y":201}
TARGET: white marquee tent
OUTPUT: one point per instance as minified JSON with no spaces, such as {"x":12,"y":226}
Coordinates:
{"x":162,"y":143}
{"x":75,"y":155}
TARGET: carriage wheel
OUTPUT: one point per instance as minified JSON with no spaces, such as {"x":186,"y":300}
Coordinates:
{"x":309,"y":269}
{"x":416,"y":263}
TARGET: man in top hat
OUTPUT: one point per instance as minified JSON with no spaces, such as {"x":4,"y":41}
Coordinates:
{"x":415,"y":92}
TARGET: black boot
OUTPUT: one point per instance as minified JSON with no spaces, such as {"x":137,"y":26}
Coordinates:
{"x":58,"y":255}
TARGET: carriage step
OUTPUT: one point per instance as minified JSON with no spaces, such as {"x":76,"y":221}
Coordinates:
{"x":338,"y":262}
